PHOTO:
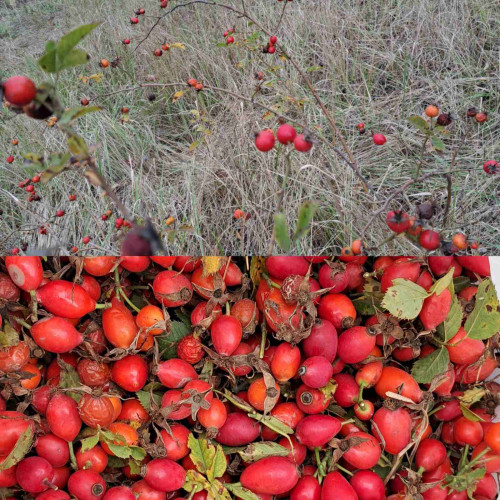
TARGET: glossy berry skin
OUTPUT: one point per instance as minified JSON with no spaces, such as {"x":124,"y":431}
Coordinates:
{"x":265,"y":140}
{"x":119,"y":325}
{"x":363,"y":455}
{"x":393,"y":378}
{"x":65,"y":299}
{"x":164,"y":474}
{"x":398,"y":221}
{"x":19,"y":90}
{"x":336,"y":308}
{"x":316,"y":371}
{"x":467,"y":432}
{"x":335,"y":487}
{"x":355,"y":344}
{"x":54,"y":449}
{"x":238,"y":430}
{"x":307,"y":488}
{"x":310,"y":400}
{"x":25,"y":272}
{"x":176,"y":444}
{"x":86,"y":485}
{"x":226,"y":333}
{"x":435,"y":309}
{"x":379,"y":139}
{"x":130,"y":373}
{"x":34,"y":474}
{"x":322,"y":341}
{"x":429,"y":239}
{"x":95,"y":459}
{"x":431,"y":453}
{"x":317,"y":430}
{"x":368,"y":485}
{"x":119,"y":493}
{"x":270,"y":476}
{"x":172,"y":289}
{"x":176,"y":373}
{"x":286,"y":134}
{"x":286,"y":362}
{"x":56,"y":334}
{"x":464,"y":350}
{"x":302,"y":143}
{"x":63,"y":417}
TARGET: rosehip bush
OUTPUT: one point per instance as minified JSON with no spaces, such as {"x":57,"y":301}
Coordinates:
{"x":216,"y":377}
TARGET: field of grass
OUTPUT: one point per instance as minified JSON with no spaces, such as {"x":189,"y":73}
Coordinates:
{"x":193,"y":157}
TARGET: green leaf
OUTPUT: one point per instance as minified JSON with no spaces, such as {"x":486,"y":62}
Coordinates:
{"x":65,"y":46}
{"x":404,"y":299}
{"x":465,"y":480}
{"x":219,"y":465}
{"x":273,"y":423}
{"x":364,"y":306}
{"x":21,"y":448}
{"x":239,"y":491}
{"x":78,"y":146}
{"x":437,"y":143}
{"x":450,"y":326}
{"x":469,"y":414}
{"x":33,"y":158}
{"x":428,"y":367}
{"x":484,"y":321}
{"x":419,"y":122}
{"x":137,"y":453}
{"x":144,"y":398}
{"x":9,"y":336}
{"x":460,"y":283}
{"x":74,"y":113}
{"x":90,"y":442}
{"x":202,"y":454}
{"x":57,"y":164}
{"x":48,"y":60}
{"x":167,"y":343}
{"x":119,"y":451}
{"x":256,"y":451}
{"x":306,"y":214}
{"x":443,"y":283}
{"x":280,"y":232}
{"x":116,"y":463}
{"x":76,"y":57}
{"x":69,"y":378}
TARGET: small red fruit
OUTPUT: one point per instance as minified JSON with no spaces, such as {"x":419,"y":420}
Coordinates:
{"x":134,"y":20}
{"x":158,"y":52}
{"x":491,"y":167}
{"x":10,"y":159}
{"x":229,"y":40}
{"x":273,"y":40}
{"x":429,"y":239}
{"x":286,"y":134}
{"x":398,"y":221}
{"x":19,"y":90}
{"x":302,"y":143}
{"x":379,"y":139}
{"x":265,"y":140}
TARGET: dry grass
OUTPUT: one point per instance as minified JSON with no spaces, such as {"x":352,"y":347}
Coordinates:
{"x":372,"y":61}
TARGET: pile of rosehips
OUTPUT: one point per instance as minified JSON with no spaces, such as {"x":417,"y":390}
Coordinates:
{"x":311,"y":378}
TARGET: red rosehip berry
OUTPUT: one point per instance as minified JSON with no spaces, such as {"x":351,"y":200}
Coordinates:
{"x":229,"y":40}
{"x":134,"y":20}
{"x":273,"y":40}
{"x":19,"y":90}
{"x":158,"y":52}
{"x":72,"y":197}
{"x":84,"y":102}
{"x":379,"y":139}
{"x":126,"y":41}
{"x":286,"y":134}
{"x":265,"y":140}
{"x":429,"y":239}
{"x":86,"y":239}
{"x":60,"y":213}
{"x":10,"y":159}
{"x":302,"y":143}
{"x":490,"y":167}
{"x":398,"y":221}
{"x":271,"y":49}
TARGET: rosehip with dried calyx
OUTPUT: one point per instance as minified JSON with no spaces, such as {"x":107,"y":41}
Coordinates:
{"x":491,"y":167}
{"x":398,"y":221}
{"x":302,"y":143}
{"x":158,"y":52}
{"x":482,"y":117}
{"x":104,"y":63}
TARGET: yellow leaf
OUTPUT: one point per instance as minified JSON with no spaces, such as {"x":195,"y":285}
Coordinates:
{"x":257,"y":266}
{"x":178,"y":45}
{"x":194,"y":145}
{"x":177,"y":95}
{"x":211,"y":265}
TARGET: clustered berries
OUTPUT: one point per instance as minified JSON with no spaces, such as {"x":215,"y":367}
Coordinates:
{"x":262,"y":377}
{"x":400,"y":222}
{"x":286,"y":134}
{"x":195,"y":84}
